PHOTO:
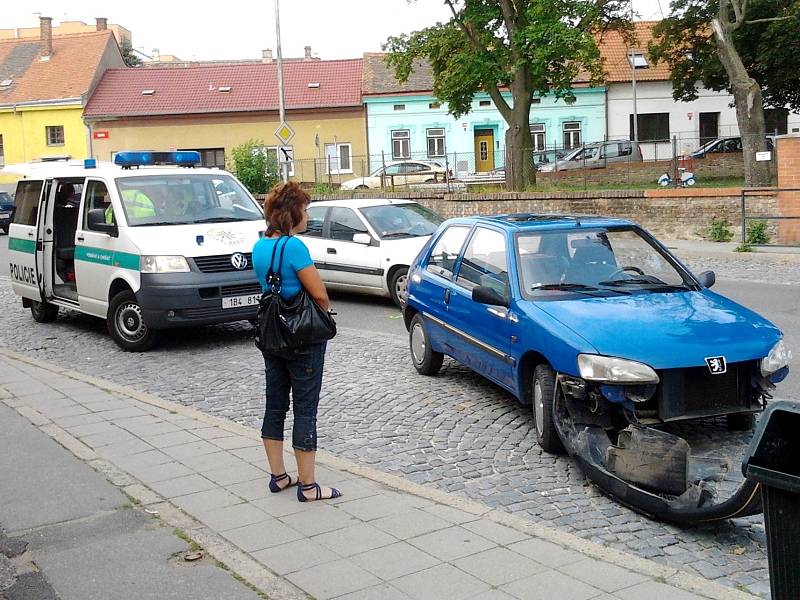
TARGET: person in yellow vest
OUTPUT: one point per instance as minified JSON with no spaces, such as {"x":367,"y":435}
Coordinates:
{"x":137,"y":205}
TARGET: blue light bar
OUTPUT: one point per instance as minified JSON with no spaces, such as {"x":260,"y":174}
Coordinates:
{"x":184,"y":158}
{"x":89,"y":163}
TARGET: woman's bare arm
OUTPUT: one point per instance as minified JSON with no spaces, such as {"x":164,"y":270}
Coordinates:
{"x":311,"y":280}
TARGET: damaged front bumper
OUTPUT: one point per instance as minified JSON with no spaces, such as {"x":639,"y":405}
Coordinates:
{"x":609,"y":431}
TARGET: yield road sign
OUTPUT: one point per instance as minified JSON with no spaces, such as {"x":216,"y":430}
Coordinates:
{"x":284,"y":133}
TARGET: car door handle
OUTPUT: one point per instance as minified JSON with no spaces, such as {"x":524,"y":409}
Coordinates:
{"x":30,"y":234}
{"x":331,"y":250}
{"x":80,"y":238}
{"x":447,"y":296}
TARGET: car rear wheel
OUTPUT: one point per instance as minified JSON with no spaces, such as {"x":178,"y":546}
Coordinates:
{"x":741,"y":422}
{"x":362,"y":187}
{"x":43,"y":312}
{"x":4,"y":230}
{"x":126,"y":324}
{"x":398,"y":286}
{"x":543,"y":390}
{"x":425,"y":360}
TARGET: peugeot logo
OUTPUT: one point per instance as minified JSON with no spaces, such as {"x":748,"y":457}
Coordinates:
{"x":239,"y":261}
{"x":717,"y":365}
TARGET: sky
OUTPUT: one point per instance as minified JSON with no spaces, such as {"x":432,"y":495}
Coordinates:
{"x":237,"y":29}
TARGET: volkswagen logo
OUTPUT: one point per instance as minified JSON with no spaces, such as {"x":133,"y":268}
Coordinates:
{"x":239,"y":261}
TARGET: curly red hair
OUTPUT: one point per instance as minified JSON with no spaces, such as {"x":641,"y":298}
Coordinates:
{"x":284,"y":207}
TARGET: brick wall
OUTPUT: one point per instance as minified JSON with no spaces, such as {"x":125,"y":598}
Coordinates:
{"x":684,"y":213}
{"x":788,"y":149}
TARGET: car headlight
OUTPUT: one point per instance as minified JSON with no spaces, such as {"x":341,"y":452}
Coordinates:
{"x":164,"y":264}
{"x":594,"y":367}
{"x":777,"y":358}
{"x":547,"y":168}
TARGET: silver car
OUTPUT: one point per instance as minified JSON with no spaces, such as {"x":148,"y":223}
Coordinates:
{"x":596,"y":155}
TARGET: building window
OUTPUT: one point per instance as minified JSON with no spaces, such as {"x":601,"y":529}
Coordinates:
{"x":213,"y":158}
{"x":653,"y":127}
{"x":638,"y":61}
{"x":2,"y":154}
{"x":484,"y":103}
{"x":434,"y":105}
{"x":399,"y":106}
{"x":536,"y":100}
{"x":572,"y":134}
{"x":776,"y":121}
{"x":435,"y":142}
{"x":55,"y":135}
{"x":401,"y":144}
{"x":338,"y":158}
{"x":538,"y":136}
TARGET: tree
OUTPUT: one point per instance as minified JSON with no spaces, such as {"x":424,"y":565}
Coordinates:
{"x":528,"y":47}
{"x":750,"y":49}
{"x":251,"y":164}
{"x":129,"y":56}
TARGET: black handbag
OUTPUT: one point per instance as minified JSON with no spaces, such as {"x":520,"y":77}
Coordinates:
{"x":286,"y":325}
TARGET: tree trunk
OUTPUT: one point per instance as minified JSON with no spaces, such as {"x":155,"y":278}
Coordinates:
{"x":749,"y":107}
{"x":520,"y":172}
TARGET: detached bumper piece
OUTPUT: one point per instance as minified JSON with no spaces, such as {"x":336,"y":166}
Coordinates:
{"x":654,"y":472}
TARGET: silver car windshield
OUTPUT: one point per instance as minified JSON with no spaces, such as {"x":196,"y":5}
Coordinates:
{"x":401,"y":220}
{"x":185,"y":199}
{"x":618,"y":261}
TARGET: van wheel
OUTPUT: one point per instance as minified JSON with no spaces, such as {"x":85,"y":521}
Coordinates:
{"x":741,"y":422}
{"x":543,"y":390}
{"x":43,"y":312}
{"x":126,"y":324}
{"x":398,"y":286}
{"x":425,"y":360}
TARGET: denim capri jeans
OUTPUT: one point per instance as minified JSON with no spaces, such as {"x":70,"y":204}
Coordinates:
{"x":298,"y":372}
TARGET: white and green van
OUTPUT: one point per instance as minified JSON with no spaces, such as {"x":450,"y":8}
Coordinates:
{"x":146,"y":248}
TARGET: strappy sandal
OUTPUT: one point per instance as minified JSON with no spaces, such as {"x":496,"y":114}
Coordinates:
{"x":307,"y":487}
{"x":274,"y":479}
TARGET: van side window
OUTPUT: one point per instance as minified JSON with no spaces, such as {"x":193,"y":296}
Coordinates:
{"x":445,"y":252}
{"x":97,"y":197}
{"x":27,"y":200}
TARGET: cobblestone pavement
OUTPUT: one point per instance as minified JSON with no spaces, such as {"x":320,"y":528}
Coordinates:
{"x":455,"y":431}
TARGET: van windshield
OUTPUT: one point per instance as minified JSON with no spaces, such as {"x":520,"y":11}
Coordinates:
{"x":185,"y":199}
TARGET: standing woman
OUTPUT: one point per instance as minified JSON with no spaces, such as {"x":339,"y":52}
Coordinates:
{"x":298,"y":370}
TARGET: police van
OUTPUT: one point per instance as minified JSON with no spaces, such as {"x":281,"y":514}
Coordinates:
{"x":148,"y":242}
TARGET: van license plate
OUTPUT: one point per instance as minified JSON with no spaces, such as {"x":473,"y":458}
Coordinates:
{"x":240,"y":301}
{"x":4,"y":215}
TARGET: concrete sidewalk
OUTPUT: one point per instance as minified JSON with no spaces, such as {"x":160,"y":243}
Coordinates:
{"x":385,"y":538}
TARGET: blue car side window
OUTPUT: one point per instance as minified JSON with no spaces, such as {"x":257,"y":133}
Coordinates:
{"x":446,"y":250}
{"x":485,"y":262}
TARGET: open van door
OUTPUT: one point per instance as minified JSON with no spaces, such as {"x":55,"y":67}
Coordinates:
{"x":25,"y":240}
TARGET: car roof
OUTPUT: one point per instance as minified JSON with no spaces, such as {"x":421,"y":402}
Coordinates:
{"x":362,"y":202}
{"x":76,"y":168}
{"x":518,"y":222}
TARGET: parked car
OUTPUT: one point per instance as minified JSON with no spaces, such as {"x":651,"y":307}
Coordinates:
{"x":399,"y":173}
{"x":596,"y":156}
{"x":6,"y":211}
{"x":593,"y":322}
{"x":723,"y":144}
{"x":367,"y":245}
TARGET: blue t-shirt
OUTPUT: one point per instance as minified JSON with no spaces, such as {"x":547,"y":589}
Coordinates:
{"x":295,"y":258}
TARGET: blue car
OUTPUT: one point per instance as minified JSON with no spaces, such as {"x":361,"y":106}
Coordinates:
{"x":6,"y":211}
{"x":607,"y":335}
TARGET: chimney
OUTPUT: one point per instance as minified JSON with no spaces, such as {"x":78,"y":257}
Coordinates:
{"x":156,"y":55}
{"x":45,"y":37}
{"x":102,"y":23}
{"x":266,"y":55}
{"x":308,"y":53}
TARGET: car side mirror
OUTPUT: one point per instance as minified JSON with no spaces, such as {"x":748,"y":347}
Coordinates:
{"x":96,"y":221}
{"x":362,"y":238}
{"x":707,"y":279}
{"x":487,"y":295}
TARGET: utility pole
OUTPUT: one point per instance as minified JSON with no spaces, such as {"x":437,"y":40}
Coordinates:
{"x":633,"y":85}
{"x":281,"y":108}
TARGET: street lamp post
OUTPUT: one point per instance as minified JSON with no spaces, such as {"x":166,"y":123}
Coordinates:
{"x":281,"y":108}
{"x":632,"y":60}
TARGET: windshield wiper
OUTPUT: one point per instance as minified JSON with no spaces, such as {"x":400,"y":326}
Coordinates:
{"x":398,"y":234}
{"x":221,"y":220}
{"x":163,"y":223}
{"x":579,"y":288}
{"x":648,"y":280}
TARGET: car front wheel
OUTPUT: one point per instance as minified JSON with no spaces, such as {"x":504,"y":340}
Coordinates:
{"x":126,"y":324}
{"x":425,"y":359}
{"x":543,"y":390}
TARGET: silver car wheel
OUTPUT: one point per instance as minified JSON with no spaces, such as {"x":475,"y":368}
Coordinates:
{"x":130,"y":322}
{"x":418,"y":343}
{"x":538,"y":406}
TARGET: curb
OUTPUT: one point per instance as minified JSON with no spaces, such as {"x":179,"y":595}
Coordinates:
{"x":254,"y":572}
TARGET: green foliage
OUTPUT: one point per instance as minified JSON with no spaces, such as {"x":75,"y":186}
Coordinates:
{"x":757,"y":232}
{"x":257,"y":171}
{"x":743,"y":248}
{"x":770,"y":50}
{"x":720,"y":231}
{"x":321,"y":189}
{"x":128,"y":56}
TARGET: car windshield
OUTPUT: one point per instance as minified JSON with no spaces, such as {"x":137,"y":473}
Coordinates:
{"x":592,"y":262}
{"x":401,"y":220}
{"x":5,"y":198}
{"x":185,"y":199}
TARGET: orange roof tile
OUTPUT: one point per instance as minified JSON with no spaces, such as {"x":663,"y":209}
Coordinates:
{"x":68,"y":73}
{"x":615,"y":54}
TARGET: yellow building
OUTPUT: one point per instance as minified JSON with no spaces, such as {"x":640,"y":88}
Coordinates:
{"x":45,"y":86}
{"x":214,"y":108}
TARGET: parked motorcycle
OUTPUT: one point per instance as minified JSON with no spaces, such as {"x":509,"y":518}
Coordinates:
{"x":687,"y":178}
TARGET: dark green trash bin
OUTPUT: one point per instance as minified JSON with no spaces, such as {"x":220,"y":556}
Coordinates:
{"x":773,"y":460}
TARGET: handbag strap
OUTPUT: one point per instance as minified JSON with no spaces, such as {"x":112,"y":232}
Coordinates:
{"x":273,"y":278}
